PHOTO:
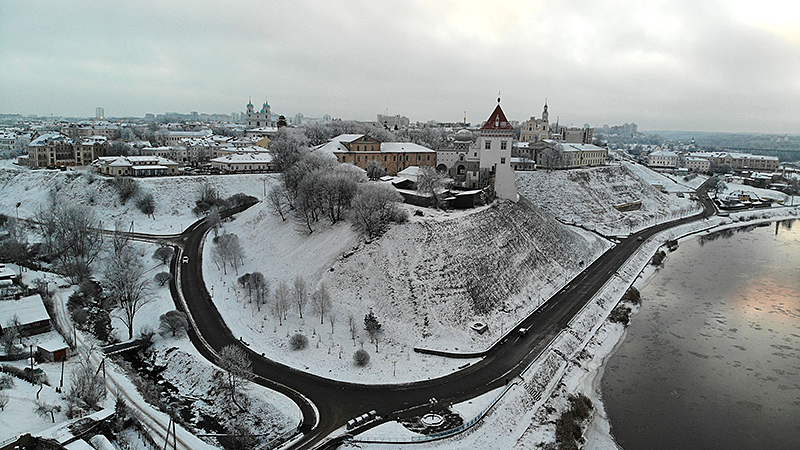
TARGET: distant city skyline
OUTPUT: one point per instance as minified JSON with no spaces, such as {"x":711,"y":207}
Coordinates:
{"x":726,"y":66}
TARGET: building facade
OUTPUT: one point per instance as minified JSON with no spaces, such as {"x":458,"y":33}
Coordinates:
{"x":536,"y":129}
{"x":261,"y":118}
{"x":359,"y":150}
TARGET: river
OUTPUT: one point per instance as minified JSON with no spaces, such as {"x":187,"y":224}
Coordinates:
{"x":712,"y":359}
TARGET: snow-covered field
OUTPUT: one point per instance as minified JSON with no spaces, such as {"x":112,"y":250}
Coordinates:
{"x":587,"y":197}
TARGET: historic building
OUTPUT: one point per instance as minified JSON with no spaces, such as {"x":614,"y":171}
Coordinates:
{"x":262,"y":118}
{"x":56,"y":150}
{"x":494,"y":145}
{"x":360,"y":149}
{"x":536,"y":129}
{"x":552,"y":154}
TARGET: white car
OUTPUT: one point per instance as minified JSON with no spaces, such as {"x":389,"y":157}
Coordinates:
{"x":185,"y":259}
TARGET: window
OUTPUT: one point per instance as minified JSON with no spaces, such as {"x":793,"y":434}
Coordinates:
{"x":488,"y":145}
{"x":502,"y":145}
{"x":358,"y":158}
{"x":502,"y":160}
{"x":385,"y":157}
{"x":417,"y":157}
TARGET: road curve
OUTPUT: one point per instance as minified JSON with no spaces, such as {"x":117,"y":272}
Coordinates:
{"x":335,"y":402}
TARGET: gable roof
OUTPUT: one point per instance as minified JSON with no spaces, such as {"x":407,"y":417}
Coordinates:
{"x":497,"y":121}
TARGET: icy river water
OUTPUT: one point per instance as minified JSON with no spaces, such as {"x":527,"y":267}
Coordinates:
{"x":712,"y":359}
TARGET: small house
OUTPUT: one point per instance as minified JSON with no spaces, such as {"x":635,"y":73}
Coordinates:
{"x":29,"y":312}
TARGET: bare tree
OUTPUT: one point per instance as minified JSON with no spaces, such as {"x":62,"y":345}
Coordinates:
{"x":162,"y":278}
{"x":174,"y":321}
{"x":128,"y":286}
{"x":375,"y":170}
{"x":288,"y":147}
{"x":238,"y":368}
{"x":44,"y":410}
{"x":163,"y":254}
{"x":373,"y":207}
{"x":351,"y":322}
{"x":4,"y":399}
{"x":277,"y":201}
{"x":300,"y":293}
{"x":260,"y":287}
{"x":429,"y":181}
{"x":120,"y":239}
{"x":228,"y":250}
{"x":87,"y":388}
{"x":337,"y":190}
{"x":281,"y":300}
{"x":72,"y":236}
{"x":244,"y":282}
{"x":322,"y":302}
{"x":10,"y":334}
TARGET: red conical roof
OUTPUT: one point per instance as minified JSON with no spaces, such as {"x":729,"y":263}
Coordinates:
{"x":497,"y":121}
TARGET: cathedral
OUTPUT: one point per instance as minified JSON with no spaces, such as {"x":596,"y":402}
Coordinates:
{"x":261,"y":118}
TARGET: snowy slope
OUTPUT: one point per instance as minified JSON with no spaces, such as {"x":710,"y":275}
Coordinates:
{"x":587,"y":197}
{"x":174,"y":196}
{"x":422,"y":280}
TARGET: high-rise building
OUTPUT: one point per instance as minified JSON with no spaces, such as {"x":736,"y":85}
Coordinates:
{"x":99,"y":113}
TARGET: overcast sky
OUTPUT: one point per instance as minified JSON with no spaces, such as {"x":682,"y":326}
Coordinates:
{"x":666,"y":65}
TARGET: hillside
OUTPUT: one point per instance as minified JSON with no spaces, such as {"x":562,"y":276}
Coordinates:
{"x":174,"y":196}
{"x":588,"y":196}
{"x":425,"y":280}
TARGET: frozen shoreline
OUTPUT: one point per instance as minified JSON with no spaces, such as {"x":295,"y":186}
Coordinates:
{"x":598,"y":434}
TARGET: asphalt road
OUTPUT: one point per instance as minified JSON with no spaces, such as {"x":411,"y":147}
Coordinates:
{"x":337,"y":402}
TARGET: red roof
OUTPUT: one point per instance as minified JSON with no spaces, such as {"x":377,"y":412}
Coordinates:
{"x":497,"y":121}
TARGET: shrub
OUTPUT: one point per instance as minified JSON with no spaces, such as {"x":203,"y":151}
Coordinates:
{"x":361,"y":357}
{"x":620,"y":314}
{"x":146,"y":204}
{"x":298,"y":341}
{"x":632,"y":295}
{"x":126,"y":188}
{"x":162,"y":278}
{"x":658,"y":258}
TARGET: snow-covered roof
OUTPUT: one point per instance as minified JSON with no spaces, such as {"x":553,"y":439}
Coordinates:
{"x":199,"y":133}
{"x":6,"y":272}
{"x":664,"y":153}
{"x":48,"y":137}
{"x":411,"y":171}
{"x":346,"y":137}
{"x":244,"y":158}
{"x":27,"y":309}
{"x":402,"y":147}
{"x":53,"y":342}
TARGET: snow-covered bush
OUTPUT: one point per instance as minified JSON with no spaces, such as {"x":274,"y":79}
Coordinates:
{"x":298,"y":341}
{"x":361,"y":357}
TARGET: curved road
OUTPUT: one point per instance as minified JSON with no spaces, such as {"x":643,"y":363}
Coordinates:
{"x":334,"y":402}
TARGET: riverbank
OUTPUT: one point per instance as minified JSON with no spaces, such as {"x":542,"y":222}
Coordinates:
{"x":611,"y":336}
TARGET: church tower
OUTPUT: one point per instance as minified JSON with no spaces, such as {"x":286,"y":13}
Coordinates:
{"x":545,"y":118}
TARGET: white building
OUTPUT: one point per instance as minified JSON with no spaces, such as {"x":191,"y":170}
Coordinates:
{"x":244,"y":162}
{"x":494,"y":152}
{"x":663,"y":158}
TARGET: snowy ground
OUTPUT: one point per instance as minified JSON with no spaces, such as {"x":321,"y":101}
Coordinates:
{"x":528,"y":410}
{"x":587,"y":197}
{"x":174,"y":196}
{"x":420,"y":279}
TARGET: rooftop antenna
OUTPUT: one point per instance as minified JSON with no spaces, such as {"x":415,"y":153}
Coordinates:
{"x":498,"y":97}
{"x":465,"y":117}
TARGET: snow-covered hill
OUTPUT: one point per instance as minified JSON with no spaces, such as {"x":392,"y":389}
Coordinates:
{"x":588,"y":196}
{"x":426,"y":281}
{"x":174,"y":196}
